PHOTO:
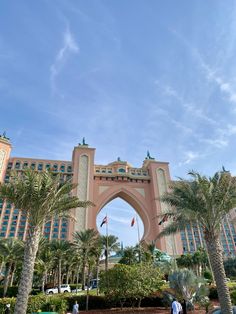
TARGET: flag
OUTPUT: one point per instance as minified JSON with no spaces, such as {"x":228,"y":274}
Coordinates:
{"x":165,"y":218}
{"x":104,"y":221}
{"x":132,"y":222}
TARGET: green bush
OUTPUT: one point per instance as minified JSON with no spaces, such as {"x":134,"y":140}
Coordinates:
{"x":11,"y":292}
{"x":233,"y":297}
{"x":63,"y":302}
{"x":73,"y":286}
{"x":5,"y":301}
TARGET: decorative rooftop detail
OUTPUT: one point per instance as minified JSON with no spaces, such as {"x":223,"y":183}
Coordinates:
{"x":4,"y":137}
{"x":149,"y":156}
{"x":83,"y":142}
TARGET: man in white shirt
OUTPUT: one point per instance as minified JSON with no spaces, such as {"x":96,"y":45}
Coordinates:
{"x":176,"y":307}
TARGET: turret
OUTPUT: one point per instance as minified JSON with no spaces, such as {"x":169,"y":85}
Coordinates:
{"x":5,"y":150}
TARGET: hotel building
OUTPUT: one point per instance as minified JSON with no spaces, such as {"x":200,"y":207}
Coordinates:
{"x":140,"y":187}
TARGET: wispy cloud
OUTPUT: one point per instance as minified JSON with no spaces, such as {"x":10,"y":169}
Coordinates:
{"x":69,"y":46}
{"x":190,"y":107}
{"x":222,"y":136}
{"x":212,"y":75}
{"x":189,"y":157}
{"x":123,"y":221}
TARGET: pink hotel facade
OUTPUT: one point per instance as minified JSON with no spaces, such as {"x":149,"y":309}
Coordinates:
{"x":140,"y":187}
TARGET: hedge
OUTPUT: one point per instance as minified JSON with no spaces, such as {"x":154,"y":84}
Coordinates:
{"x":60,"y":303}
{"x":12,"y":291}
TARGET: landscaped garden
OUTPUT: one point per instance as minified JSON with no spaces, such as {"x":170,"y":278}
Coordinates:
{"x":144,"y":278}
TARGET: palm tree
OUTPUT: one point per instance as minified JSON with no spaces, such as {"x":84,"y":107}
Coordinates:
{"x":130,"y":256}
{"x":110,"y":244}
{"x":41,"y":196}
{"x":96,"y":253}
{"x":44,"y":261}
{"x":205,"y":201}
{"x":60,"y":250}
{"x":12,"y":251}
{"x":85,"y":241}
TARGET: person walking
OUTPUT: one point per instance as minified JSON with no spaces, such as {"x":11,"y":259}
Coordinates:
{"x":176,"y":307}
{"x":7,"y":310}
{"x":184,"y":306}
{"x":75,"y":308}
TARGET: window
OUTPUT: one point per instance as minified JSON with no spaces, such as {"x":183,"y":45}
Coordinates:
{"x":69,"y":168}
{"x":62,"y":168}
{"x":48,"y":167}
{"x":55,"y":236}
{"x":63,"y":229}
{"x":121,"y":170}
{"x":25,"y":165}
{"x":55,"y":230}
{"x":12,"y":234}
{"x":9,"y":166}
{"x":7,"y":211}
{"x":5,"y":223}
{"x":7,"y":177}
{"x":33,"y":166}
{"x":40,"y":167}
{"x":2,"y":234}
{"x":55,"y":167}
{"x":17,"y":165}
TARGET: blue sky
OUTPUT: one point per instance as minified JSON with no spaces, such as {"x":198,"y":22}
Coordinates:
{"x":128,"y":75}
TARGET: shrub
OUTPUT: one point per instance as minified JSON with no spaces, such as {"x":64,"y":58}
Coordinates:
{"x":11,"y":292}
{"x":5,"y":301}
{"x":233,"y":297}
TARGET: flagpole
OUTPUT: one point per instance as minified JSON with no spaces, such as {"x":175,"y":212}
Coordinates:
{"x":138,"y":238}
{"x":107,"y":244}
{"x":138,"y":228}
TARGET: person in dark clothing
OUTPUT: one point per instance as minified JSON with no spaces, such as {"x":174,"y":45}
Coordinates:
{"x":184,"y":306}
{"x":7,"y":310}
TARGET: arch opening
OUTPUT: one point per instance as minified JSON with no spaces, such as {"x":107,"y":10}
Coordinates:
{"x":120,"y":216}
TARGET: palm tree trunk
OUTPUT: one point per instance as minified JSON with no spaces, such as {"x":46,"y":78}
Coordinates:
{"x":83,"y":273}
{"x":43,"y":281}
{"x":7,"y":278}
{"x":1,"y":267}
{"x":13,"y":275}
{"x":59,"y":276}
{"x":77,"y":279}
{"x":87,"y":293}
{"x":97,"y":274}
{"x":31,"y":248}
{"x":106,"y":260}
{"x":216,"y":260}
{"x":67,"y":275}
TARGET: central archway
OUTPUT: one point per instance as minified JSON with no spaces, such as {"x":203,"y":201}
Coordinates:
{"x":120,"y":215}
{"x":131,"y":196}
